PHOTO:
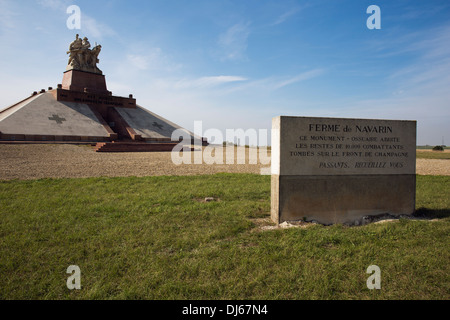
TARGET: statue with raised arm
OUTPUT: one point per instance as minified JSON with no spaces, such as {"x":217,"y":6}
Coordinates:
{"x":75,"y":53}
{"x":81,"y":57}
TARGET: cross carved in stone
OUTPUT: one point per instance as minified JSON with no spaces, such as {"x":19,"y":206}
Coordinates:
{"x":56,"y":118}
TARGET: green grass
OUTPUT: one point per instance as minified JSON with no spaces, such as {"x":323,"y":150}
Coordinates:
{"x":433,"y":155}
{"x":154,"y":238}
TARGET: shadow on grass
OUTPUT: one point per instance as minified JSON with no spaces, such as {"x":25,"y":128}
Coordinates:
{"x":432,"y":213}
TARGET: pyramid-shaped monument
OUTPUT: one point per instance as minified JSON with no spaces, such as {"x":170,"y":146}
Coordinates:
{"x":81,"y":109}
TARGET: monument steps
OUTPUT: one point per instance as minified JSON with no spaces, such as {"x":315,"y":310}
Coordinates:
{"x":134,"y":147}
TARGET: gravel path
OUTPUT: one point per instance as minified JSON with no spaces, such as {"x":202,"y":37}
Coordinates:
{"x":433,"y":167}
{"x":69,"y":161}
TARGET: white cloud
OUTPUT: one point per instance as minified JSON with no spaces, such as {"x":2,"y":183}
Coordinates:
{"x":95,"y":28}
{"x":301,"y":77}
{"x":89,"y":25}
{"x":7,"y":16}
{"x":153,"y":59}
{"x":54,"y":4}
{"x":270,"y":84}
{"x":430,"y":71}
{"x":205,"y":82}
{"x":419,"y":90}
{"x":233,"y":42}
{"x":138,"y":61}
{"x":285,"y":16}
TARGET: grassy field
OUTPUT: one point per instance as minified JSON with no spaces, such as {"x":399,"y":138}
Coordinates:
{"x":432,"y":154}
{"x":156,"y":238}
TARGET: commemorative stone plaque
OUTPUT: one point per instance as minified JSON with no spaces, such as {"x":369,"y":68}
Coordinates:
{"x":334,"y":170}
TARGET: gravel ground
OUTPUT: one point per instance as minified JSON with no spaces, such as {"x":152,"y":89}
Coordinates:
{"x":37,"y":161}
{"x":433,"y":167}
{"x":70,"y":161}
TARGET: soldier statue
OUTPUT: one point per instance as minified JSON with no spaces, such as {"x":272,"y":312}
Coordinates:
{"x":81,"y":57}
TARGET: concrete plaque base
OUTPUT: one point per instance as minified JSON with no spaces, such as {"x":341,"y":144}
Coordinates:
{"x":341,"y":199}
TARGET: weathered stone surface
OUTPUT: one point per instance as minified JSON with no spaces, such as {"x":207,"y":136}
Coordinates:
{"x":149,"y":125}
{"x":42,"y":115}
{"x":328,"y":146}
{"x":81,"y":81}
{"x":342,"y":199}
{"x":340,"y":170}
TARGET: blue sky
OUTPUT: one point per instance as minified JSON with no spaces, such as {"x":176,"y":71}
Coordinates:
{"x":237,"y":64}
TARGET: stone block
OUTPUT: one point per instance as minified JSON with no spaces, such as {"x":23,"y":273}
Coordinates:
{"x":83,"y":81}
{"x":341,"y":170}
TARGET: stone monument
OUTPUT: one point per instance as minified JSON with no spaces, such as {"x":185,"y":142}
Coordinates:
{"x":82,"y":58}
{"x":333,"y":170}
{"x":82,"y":73}
{"x":81,"y":109}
